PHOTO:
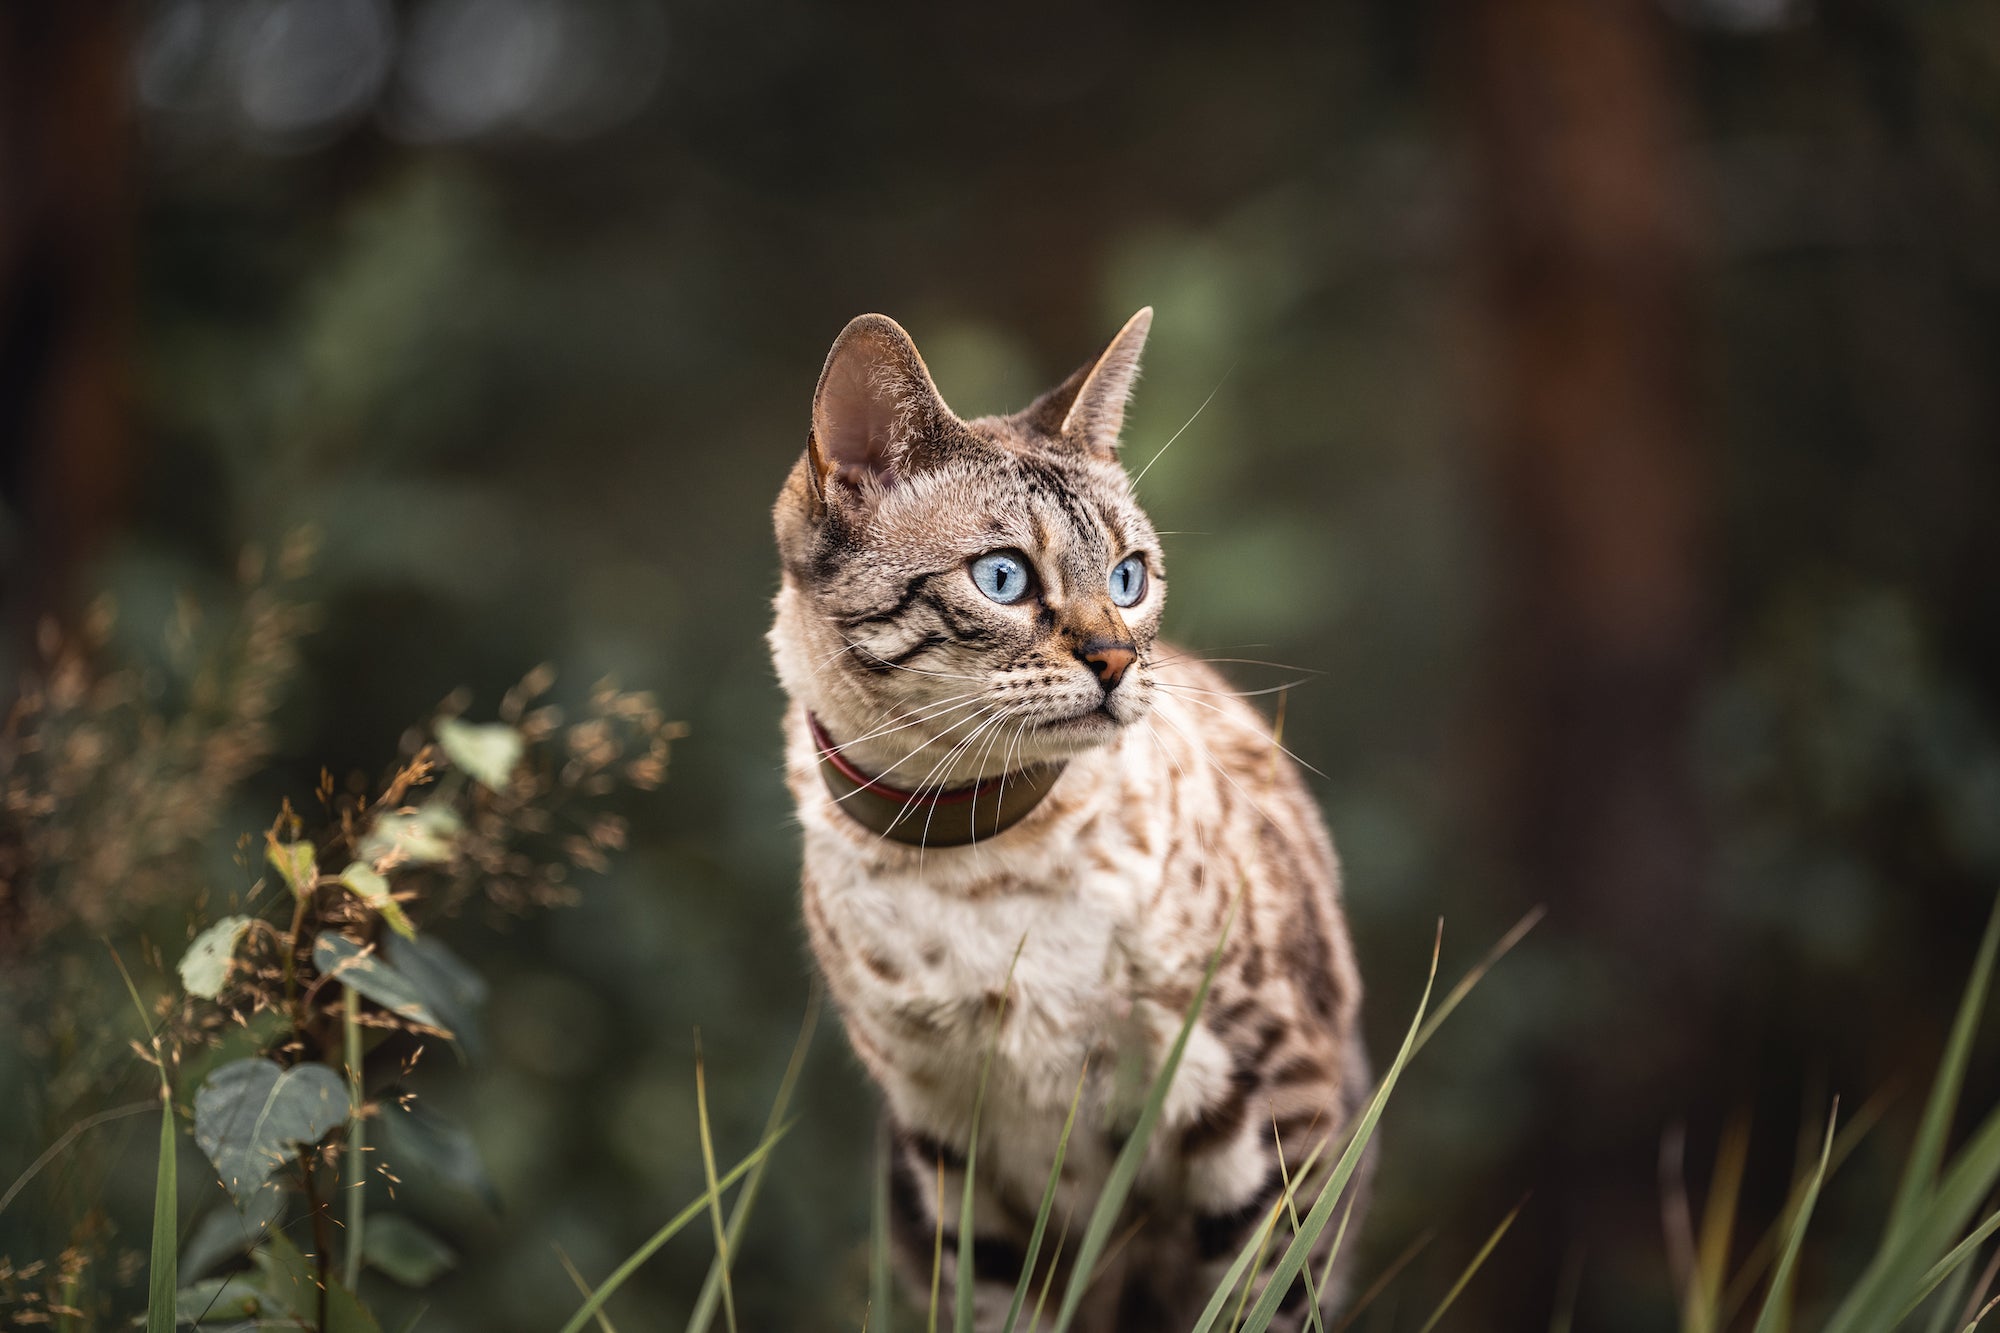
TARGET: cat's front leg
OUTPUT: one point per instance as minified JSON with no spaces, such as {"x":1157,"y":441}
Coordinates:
{"x":927,"y":1181}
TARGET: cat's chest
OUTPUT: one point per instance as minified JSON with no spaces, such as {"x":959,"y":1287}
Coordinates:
{"x":929,"y":958}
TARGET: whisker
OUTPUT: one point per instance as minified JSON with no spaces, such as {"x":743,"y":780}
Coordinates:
{"x":879,"y":660}
{"x":1258,"y":729}
{"x":1006,"y":767}
{"x":929,"y":713}
{"x":1235,"y":661}
{"x":1184,"y":425}
{"x":1210,"y":760}
{"x":950,"y":758}
{"x":1178,"y":688}
{"x":992,"y":713}
{"x":920,"y":749}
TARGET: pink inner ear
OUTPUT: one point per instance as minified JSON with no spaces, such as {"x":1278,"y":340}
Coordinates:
{"x":857,"y":417}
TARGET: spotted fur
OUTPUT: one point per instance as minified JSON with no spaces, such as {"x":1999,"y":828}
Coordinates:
{"x":1114,"y":889}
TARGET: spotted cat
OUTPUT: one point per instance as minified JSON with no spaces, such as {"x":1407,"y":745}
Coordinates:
{"x":991,"y":750}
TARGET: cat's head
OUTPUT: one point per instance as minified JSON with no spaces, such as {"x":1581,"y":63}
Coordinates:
{"x":965,"y":597}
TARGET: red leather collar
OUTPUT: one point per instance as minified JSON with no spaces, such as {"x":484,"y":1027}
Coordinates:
{"x":932,"y":817}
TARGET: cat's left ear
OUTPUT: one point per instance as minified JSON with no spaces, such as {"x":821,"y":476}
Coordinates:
{"x":1088,"y":408}
{"x":874,"y":412}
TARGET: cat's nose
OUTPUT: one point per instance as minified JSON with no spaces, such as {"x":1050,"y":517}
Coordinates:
{"x":1108,"y":660}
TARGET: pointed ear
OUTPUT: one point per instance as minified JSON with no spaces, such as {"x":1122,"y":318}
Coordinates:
{"x":1088,"y":408}
{"x":875,"y":399}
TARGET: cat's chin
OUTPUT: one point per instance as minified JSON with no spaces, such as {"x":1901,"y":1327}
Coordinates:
{"x":1064,"y":736}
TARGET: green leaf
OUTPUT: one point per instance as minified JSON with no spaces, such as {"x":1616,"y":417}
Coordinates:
{"x":227,"y":1300}
{"x":227,"y":1231}
{"x":368,"y":974}
{"x":448,"y":988}
{"x":252,"y":1115}
{"x":205,"y":966}
{"x":240,"y":1039}
{"x":414,"y":1141}
{"x":488,"y":753}
{"x":290,"y":1275}
{"x":405,"y":1251}
{"x":425,"y":836}
{"x":295,"y":865}
{"x":372,"y":888}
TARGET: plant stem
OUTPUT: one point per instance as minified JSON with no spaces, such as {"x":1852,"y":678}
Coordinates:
{"x":357,"y":1139}
{"x":292,"y":944}
{"x":322,"y":1235}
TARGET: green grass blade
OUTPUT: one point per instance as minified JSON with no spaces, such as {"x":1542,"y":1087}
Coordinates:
{"x":1949,"y":1300}
{"x":1292,"y":1209}
{"x":1951,"y":1263}
{"x":1296,"y":1254}
{"x":69,"y":1136}
{"x":1124,"y":1170}
{"x":1055,"y":1260}
{"x":1927,"y":1153}
{"x":1926,"y":1235}
{"x":1250,"y":1256}
{"x":1478,"y":1260}
{"x":1751,"y":1274}
{"x":937,"y":1249}
{"x":357,"y":1139}
{"x":739,"y":1216}
{"x":673,"y":1227}
{"x":879,"y":1294}
{"x":1251,"y":1252}
{"x":1264,"y":1235}
{"x":164,"y":1279}
{"x":163,"y":1273}
{"x":962,"y":1285}
{"x":1326,"y":1269}
{"x":604,"y":1324}
{"x":714,"y":1192}
{"x":1381,"y":1284}
{"x":1563,"y":1316}
{"x":1501,"y":949}
{"x":1034,"y":1249}
{"x":1775,"y":1314}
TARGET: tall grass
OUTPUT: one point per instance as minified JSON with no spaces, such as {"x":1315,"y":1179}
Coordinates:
{"x":1917,"y":1277}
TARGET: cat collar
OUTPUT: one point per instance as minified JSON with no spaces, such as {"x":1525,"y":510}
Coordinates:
{"x":933,"y":816}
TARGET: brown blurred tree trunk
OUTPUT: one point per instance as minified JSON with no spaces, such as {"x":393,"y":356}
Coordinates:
{"x":1584,"y":248}
{"x":66,"y":295}
{"x":66,"y":289}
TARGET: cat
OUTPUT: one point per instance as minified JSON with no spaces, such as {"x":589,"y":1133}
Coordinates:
{"x":991,"y":751}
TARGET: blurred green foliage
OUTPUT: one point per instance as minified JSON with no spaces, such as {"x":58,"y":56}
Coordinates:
{"x":536,"y":391}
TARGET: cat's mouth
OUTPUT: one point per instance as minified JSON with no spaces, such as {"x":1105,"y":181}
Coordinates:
{"x":1098,"y":719}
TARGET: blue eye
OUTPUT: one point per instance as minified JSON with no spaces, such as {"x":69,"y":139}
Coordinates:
{"x":1002,"y":576}
{"x":1128,"y":580}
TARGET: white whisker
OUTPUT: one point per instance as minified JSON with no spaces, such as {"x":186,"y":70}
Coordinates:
{"x":1258,"y":728}
{"x":1184,"y":425}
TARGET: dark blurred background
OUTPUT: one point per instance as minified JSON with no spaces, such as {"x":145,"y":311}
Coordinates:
{"x":1600,"y":409}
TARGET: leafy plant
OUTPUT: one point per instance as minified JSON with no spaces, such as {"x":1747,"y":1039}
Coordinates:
{"x":505,"y":808}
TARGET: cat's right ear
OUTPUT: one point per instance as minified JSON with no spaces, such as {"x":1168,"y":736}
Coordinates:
{"x":875,"y":400}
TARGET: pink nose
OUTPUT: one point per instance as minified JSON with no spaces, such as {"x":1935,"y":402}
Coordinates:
{"x":1109,"y":661}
